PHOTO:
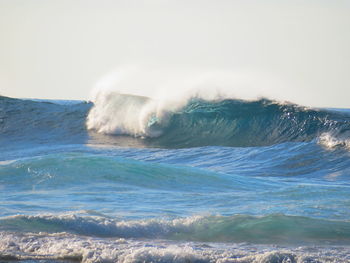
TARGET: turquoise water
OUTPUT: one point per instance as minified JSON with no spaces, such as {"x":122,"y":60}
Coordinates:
{"x":219,"y":181}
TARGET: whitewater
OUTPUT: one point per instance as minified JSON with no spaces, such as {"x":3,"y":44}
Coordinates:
{"x":128,"y":178}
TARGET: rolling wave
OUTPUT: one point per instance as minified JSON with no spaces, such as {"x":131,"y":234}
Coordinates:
{"x":64,"y":170}
{"x":145,"y":122}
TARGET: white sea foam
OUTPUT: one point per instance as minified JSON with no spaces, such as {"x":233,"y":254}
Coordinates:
{"x":115,"y":113}
{"x":86,"y":249}
{"x":330,"y":140}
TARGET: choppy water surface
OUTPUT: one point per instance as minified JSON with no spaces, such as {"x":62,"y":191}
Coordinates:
{"x":210,"y":181}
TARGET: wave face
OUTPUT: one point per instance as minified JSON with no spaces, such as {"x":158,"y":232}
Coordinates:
{"x":119,"y":180}
{"x":239,"y":124}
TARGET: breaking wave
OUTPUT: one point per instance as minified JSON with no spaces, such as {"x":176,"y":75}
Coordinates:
{"x":224,"y":122}
{"x":191,"y":123}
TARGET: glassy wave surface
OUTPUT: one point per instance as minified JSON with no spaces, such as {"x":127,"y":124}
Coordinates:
{"x":132,"y":179}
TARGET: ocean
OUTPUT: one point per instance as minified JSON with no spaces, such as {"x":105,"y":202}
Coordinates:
{"x":126,"y":179}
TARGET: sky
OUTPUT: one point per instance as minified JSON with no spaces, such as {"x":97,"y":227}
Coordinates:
{"x":296,"y":51}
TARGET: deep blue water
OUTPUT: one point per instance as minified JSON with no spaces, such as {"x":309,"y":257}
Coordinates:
{"x":211,"y":181}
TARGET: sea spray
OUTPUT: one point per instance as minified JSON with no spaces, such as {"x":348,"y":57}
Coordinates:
{"x":115,"y":113}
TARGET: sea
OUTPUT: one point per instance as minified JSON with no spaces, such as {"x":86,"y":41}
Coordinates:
{"x":128,"y":179}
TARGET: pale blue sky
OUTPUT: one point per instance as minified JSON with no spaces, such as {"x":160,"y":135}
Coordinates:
{"x":298,"y":50}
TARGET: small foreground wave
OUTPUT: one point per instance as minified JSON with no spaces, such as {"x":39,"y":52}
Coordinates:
{"x":270,"y":229}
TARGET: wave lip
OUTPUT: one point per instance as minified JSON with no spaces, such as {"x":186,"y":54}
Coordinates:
{"x":270,"y":229}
